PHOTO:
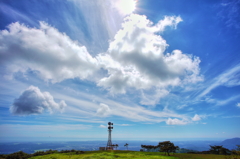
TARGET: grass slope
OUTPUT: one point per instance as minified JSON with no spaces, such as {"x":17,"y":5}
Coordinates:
{"x":128,"y":155}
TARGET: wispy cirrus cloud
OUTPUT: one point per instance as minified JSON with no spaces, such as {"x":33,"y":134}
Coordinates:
{"x":154,"y":97}
{"x":123,"y":124}
{"x":84,"y":107}
{"x":233,"y":116}
{"x":102,"y":126}
{"x":226,"y":101}
{"x":229,"y":14}
{"x":40,"y":130}
{"x":228,"y":78}
{"x":238,"y":105}
{"x":221,"y":102}
{"x":15,"y":14}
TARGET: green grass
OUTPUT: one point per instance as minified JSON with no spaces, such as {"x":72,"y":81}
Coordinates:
{"x":129,"y":155}
{"x":199,"y":156}
{"x":106,"y":155}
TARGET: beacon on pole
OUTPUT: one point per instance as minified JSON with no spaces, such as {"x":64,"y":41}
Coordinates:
{"x":109,"y":143}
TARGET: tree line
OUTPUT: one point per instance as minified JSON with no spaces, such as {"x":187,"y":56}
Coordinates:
{"x":165,"y":146}
{"x":168,"y":147}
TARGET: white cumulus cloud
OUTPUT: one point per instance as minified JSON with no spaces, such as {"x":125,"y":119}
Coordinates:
{"x":103,"y":110}
{"x":196,"y":118}
{"x":136,"y":58}
{"x":33,"y":101}
{"x":53,"y":54}
{"x":175,"y":121}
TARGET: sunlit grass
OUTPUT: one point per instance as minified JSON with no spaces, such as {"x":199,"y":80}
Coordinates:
{"x":106,"y":155}
{"x":199,"y":156}
{"x":129,"y":155}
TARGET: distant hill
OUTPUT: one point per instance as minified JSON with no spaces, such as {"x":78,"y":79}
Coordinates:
{"x":231,"y":143}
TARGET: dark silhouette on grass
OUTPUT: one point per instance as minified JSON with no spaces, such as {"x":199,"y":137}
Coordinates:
{"x":23,"y":155}
{"x":167,"y":147}
{"x":219,"y":150}
{"x":149,"y":147}
{"x":115,"y":146}
{"x":236,"y":153}
{"x":17,"y":155}
{"x":126,"y":145}
{"x":238,"y":147}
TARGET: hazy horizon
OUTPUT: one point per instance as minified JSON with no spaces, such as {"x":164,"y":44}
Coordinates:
{"x":56,"y":139}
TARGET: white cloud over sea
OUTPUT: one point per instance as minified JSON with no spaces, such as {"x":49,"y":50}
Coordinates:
{"x":33,"y":101}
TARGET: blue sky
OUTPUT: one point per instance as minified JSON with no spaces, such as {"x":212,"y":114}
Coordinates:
{"x":156,"y":69}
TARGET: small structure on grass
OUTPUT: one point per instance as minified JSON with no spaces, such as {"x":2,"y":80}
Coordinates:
{"x":109,"y":146}
{"x":109,"y":143}
{"x":102,"y":148}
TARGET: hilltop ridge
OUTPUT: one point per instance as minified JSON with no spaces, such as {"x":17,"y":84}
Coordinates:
{"x":231,"y":143}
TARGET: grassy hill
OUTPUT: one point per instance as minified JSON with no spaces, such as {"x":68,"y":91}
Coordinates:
{"x":129,"y":155}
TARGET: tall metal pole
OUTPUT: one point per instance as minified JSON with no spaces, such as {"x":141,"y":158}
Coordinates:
{"x":109,"y":143}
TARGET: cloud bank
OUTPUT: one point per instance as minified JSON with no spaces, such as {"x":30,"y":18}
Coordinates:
{"x":33,"y":101}
{"x":52,"y":54}
{"x":135,"y":59}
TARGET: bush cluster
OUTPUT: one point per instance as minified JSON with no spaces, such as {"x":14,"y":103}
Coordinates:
{"x":76,"y":151}
{"x":16,"y":155}
{"x":23,"y":155}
